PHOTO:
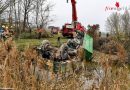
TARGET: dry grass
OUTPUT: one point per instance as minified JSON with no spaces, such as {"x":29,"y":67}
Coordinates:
{"x":26,"y":71}
{"x":116,"y":76}
{"x":116,"y":71}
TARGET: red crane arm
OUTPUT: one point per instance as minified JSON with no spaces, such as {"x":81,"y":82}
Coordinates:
{"x":74,"y":12}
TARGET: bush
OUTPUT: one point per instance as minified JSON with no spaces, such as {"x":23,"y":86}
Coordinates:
{"x":34,"y":35}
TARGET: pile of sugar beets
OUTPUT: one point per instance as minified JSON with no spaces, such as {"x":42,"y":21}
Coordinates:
{"x":68,"y":52}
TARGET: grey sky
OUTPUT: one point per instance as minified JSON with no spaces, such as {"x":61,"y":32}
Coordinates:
{"x":89,"y":11}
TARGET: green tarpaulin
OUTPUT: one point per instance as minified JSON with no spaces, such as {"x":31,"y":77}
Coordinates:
{"x":87,"y":55}
{"x":88,"y":46}
{"x":88,"y":43}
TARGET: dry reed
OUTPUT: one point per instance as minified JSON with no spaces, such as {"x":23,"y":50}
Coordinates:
{"x":25,"y":71}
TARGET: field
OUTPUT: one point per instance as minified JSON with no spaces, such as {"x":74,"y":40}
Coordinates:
{"x":22,"y":43}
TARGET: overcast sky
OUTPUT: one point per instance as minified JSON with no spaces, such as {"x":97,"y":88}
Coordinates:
{"x":89,"y":11}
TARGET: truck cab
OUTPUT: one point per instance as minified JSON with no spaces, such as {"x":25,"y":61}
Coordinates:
{"x":68,"y":29}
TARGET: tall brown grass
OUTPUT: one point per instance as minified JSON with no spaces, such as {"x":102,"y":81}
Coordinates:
{"x":26,"y":71}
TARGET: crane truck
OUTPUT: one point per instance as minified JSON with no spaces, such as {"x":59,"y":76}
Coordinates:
{"x":69,"y":28}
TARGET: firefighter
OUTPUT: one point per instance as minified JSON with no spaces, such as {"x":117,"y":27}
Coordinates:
{"x":6,"y":33}
{"x":39,"y":32}
{"x":1,"y":33}
{"x":59,"y":39}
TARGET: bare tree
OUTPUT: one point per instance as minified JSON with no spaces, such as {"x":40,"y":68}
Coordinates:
{"x":113,"y":24}
{"x":126,"y":23}
{"x":17,"y":15}
{"x":37,"y":10}
{"x":4,"y":5}
{"x":119,"y":24}
{"x":11,"y":11}
{"x":27,"y":7}
{"x":24,"y":13}
{"x":42,"y":12}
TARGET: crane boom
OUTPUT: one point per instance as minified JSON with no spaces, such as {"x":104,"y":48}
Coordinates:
{"x":74,"y":12}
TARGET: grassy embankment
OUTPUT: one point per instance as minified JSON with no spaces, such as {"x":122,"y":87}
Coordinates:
{"x":22,"y":43}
